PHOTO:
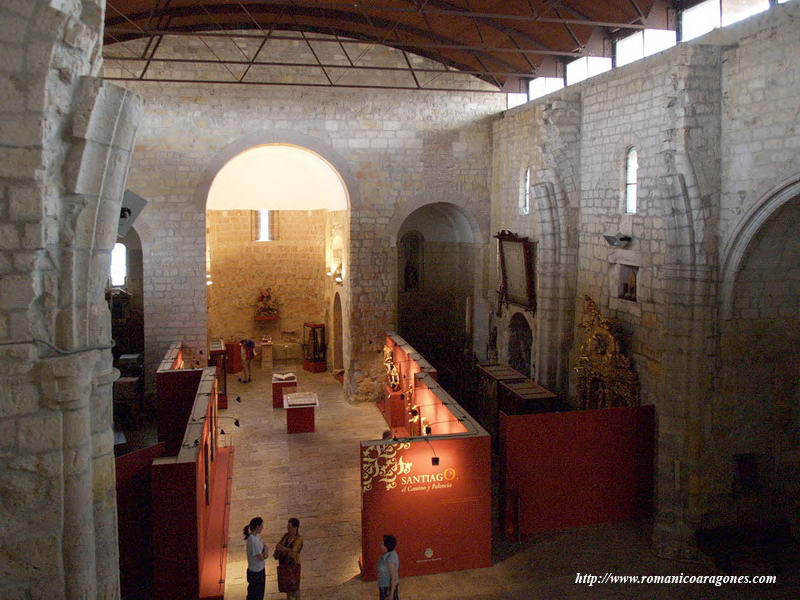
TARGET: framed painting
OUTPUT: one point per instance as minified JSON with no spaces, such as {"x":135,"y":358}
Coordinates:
{"x":517,"y":270}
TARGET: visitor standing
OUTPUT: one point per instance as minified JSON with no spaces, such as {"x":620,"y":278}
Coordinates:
{"x":389,"y":570}
{"x":256,"y":554}
{"x":287,"y":552}
{"x":248,"y":354}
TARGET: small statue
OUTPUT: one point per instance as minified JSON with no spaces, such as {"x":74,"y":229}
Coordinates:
{"x":266,"y":304}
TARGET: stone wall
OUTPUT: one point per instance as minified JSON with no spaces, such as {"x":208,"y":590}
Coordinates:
{"x":710,"y":156}
{"x":292,"y":265}
{"x":66,"y":144}
{"x":396,"y":151}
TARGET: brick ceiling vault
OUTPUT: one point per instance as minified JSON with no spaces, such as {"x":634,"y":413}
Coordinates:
{"x":502,"y":43}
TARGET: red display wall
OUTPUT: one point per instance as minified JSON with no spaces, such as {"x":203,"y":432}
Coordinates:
{"x":578,"y":468}
{"x":134,"y":522}
{"x":191,"y":503}
{"x":441,"y":515}
{"x":175,"y":391}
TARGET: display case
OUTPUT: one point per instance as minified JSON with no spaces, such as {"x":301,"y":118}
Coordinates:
{"x":314,"y":347}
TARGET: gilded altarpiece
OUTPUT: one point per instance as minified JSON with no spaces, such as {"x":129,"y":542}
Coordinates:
{"x":605,"y":376}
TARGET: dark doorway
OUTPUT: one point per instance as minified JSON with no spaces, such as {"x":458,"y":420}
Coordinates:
{"x":520,"y":340}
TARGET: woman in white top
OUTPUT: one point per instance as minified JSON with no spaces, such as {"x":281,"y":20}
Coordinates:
{"x":256,"y":553}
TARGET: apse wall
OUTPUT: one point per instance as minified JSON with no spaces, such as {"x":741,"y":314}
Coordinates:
{"x":402,"y":148}
{"x":292,"y":266}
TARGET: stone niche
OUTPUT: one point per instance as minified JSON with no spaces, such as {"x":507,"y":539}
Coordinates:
{"x":292,"y":265}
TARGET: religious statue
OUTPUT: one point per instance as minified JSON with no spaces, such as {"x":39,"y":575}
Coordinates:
{"x":267,"y":307}
{"x":392,"y":374}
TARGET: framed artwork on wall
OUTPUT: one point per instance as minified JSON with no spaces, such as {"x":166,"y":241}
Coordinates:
{"x":517,"y":270}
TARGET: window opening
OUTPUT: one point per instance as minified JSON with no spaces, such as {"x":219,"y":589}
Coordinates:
{"x":737,"y":10}
{"x":585,"y":67}
{"x":700,"y":19}
{"x":631,"y":175}
{"x":541,"y":86}
{"x":119,"y":265}
{"x":525,"y":205}
{"x":513,"y":100}
{"x":264,"y":226}
{"x":643,"y":43}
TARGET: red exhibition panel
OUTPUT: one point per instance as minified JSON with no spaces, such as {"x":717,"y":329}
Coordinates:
{"x":441,"y":515}
{"x":134,"y":521}
{"x":578,"y":468}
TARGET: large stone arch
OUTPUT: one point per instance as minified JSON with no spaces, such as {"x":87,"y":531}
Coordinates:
{"x":737,"y":243}
{"x":67,"y":160}
{"x":276,"y":136}
{"x":555,"y":193}
{"x":326,"y":152}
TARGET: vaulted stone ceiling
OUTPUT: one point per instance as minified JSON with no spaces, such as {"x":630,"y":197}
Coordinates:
{"x":501,"y":42}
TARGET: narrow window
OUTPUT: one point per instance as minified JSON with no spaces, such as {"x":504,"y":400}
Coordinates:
{"x":525,"y":204}
{"x":631,"y":171}
{"x":264,"y":226}
{"x":119,"y":265}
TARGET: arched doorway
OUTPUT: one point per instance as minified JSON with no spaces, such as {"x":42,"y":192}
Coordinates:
{"x":520,"y":341}
{"x":271,"y":213}
{"x":756,"y":427}
{"x":435,"y":271}
{"x":338,"y":345}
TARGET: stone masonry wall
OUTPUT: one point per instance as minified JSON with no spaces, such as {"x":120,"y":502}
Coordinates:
{"x":716,"y":118}
{"x":403,"y":150}
{"x":65,"y":144}
{"x":292,"y":265}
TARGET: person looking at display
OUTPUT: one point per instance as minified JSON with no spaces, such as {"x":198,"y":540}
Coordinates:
{"x":248,"y":354}
{"x":287,"y":553}
{"x":256,"y":554}
{"x":389,"y":570}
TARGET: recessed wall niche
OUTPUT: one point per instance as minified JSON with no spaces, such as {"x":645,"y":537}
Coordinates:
{"x":627,"y":283}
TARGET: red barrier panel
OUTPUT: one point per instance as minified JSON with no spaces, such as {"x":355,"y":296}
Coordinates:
{"x":578,"y":468}
{"x":134,"y":521}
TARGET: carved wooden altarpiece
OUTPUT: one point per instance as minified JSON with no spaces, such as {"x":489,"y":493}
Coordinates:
{"x":605,"y":376}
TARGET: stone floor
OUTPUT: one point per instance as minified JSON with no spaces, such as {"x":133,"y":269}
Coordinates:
{"x":315,"y":477}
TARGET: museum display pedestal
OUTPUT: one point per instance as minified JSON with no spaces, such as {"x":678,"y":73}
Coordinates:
{"x":300,"y":408}
{"x":281,"y":387}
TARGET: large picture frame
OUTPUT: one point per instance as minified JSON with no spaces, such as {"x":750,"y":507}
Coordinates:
{"x":517,"y":270}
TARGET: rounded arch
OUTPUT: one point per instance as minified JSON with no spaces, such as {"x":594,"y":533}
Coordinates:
{"x":735,"y":249}
{"x":520,"y":344}
{"x":269,"y":137}
{"x":453,"y":210}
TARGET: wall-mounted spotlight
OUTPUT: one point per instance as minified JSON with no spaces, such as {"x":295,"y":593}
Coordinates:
{"x":336,"y":274}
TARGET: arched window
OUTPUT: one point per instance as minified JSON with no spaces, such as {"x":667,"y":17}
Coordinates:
{"x":525,"y":201}
{"x":119,"y":265}
{"x":631,"y":173}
